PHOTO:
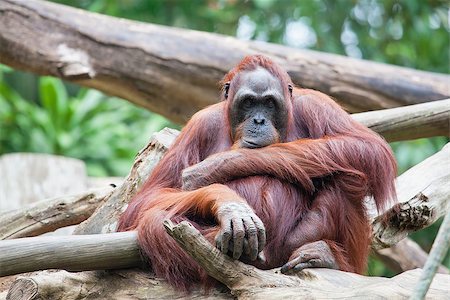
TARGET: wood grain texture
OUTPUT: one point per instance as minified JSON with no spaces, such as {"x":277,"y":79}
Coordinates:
{"x":244,"y":281}
{"x":409,"y":122}
{"x":50,"y":214}
{"x":117,"y":285}
{"x":105,"y":218}
{"x":73,"y":253}
{"x":405,"y":255}
{"x":175,"y":71}
{"x":102,"y":222}
{"x":422,"y":192}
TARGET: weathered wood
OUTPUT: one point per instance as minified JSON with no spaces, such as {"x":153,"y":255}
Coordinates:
{"x":405,"y":255}
{"x":437,"y":254}
{"x":31,"y":177}
{"x":104,"y":220}
{"x":423,"y":198}
{"x":123,"y":284}
{"x":175,"y":72}
{"x":101,"y":182}
{"x":73,"y":253}
{"x":410,"y":122}
{"x":48,"y":215}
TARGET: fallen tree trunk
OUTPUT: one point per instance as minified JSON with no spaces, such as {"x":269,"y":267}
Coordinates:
{"x":120,"y":284}
{"x":248,"y":282}
{"x":144,"y":63}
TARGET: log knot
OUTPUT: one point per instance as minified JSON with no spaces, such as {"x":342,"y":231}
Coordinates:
{"x":74,"y":63}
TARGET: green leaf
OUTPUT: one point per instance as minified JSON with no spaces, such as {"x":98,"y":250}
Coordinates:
{"x":54,"y":98}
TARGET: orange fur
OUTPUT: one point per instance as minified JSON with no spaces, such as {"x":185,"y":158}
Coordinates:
{"x":306,"y":188}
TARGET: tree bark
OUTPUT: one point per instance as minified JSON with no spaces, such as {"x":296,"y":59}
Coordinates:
{"x":405,"y":255}
{"x":410,"y":122}
{"x":72,"y":253}
{"x":49,"y":215}
{"x":437,"y":254}
{"x":105,"y":218}
{"x":175,"y":72}
{"x":423,"y":198}
{"x":117,"y":285}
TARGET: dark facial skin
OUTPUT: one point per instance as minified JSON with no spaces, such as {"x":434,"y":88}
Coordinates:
{"x":259,"y":113}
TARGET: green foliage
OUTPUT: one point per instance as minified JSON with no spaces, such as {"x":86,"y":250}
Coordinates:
{"x":410,"y":153}
{"x":105,"y":132}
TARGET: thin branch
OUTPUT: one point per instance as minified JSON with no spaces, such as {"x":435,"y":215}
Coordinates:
{"x":437,"y":254}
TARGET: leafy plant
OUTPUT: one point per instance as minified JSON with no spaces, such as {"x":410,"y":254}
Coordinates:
{"x":105,"y":132}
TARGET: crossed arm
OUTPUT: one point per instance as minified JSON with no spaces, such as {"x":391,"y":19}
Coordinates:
{"x":338,"y":146}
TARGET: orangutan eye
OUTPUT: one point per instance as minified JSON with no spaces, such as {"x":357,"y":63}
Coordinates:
{"x":247,"y":103}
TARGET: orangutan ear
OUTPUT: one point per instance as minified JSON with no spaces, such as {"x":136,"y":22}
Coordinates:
{"x":290,"y":87}
{"x":226,"y":88}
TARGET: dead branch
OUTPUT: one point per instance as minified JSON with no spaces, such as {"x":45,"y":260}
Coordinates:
{"x":423,"y":193}
{"x":437,"y":254}
{"x":410,"y":122}
{"x":405,"y":255}
{"x":410,"y":215}
{"x":175,"y":71}
{"x":104,"y":219}
{"x":121,"y":284}
{"x":73,"y":253}
{"x":244,"y":281}
{"x":48,"y":215}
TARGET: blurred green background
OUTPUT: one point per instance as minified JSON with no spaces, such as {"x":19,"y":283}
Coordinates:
{"x":43,"y":114}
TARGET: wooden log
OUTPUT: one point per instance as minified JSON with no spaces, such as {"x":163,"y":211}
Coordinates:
{"x":48,"y":215}
{"x":423,"y":198}
{"x":410,"y":122}
{"x":73,"y":253}
{"x":123,"y":284}
{"x":175,"y":71}
{"x":438,"y":252}
{"x":405,"y":255}
{"x":100,"y":222}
